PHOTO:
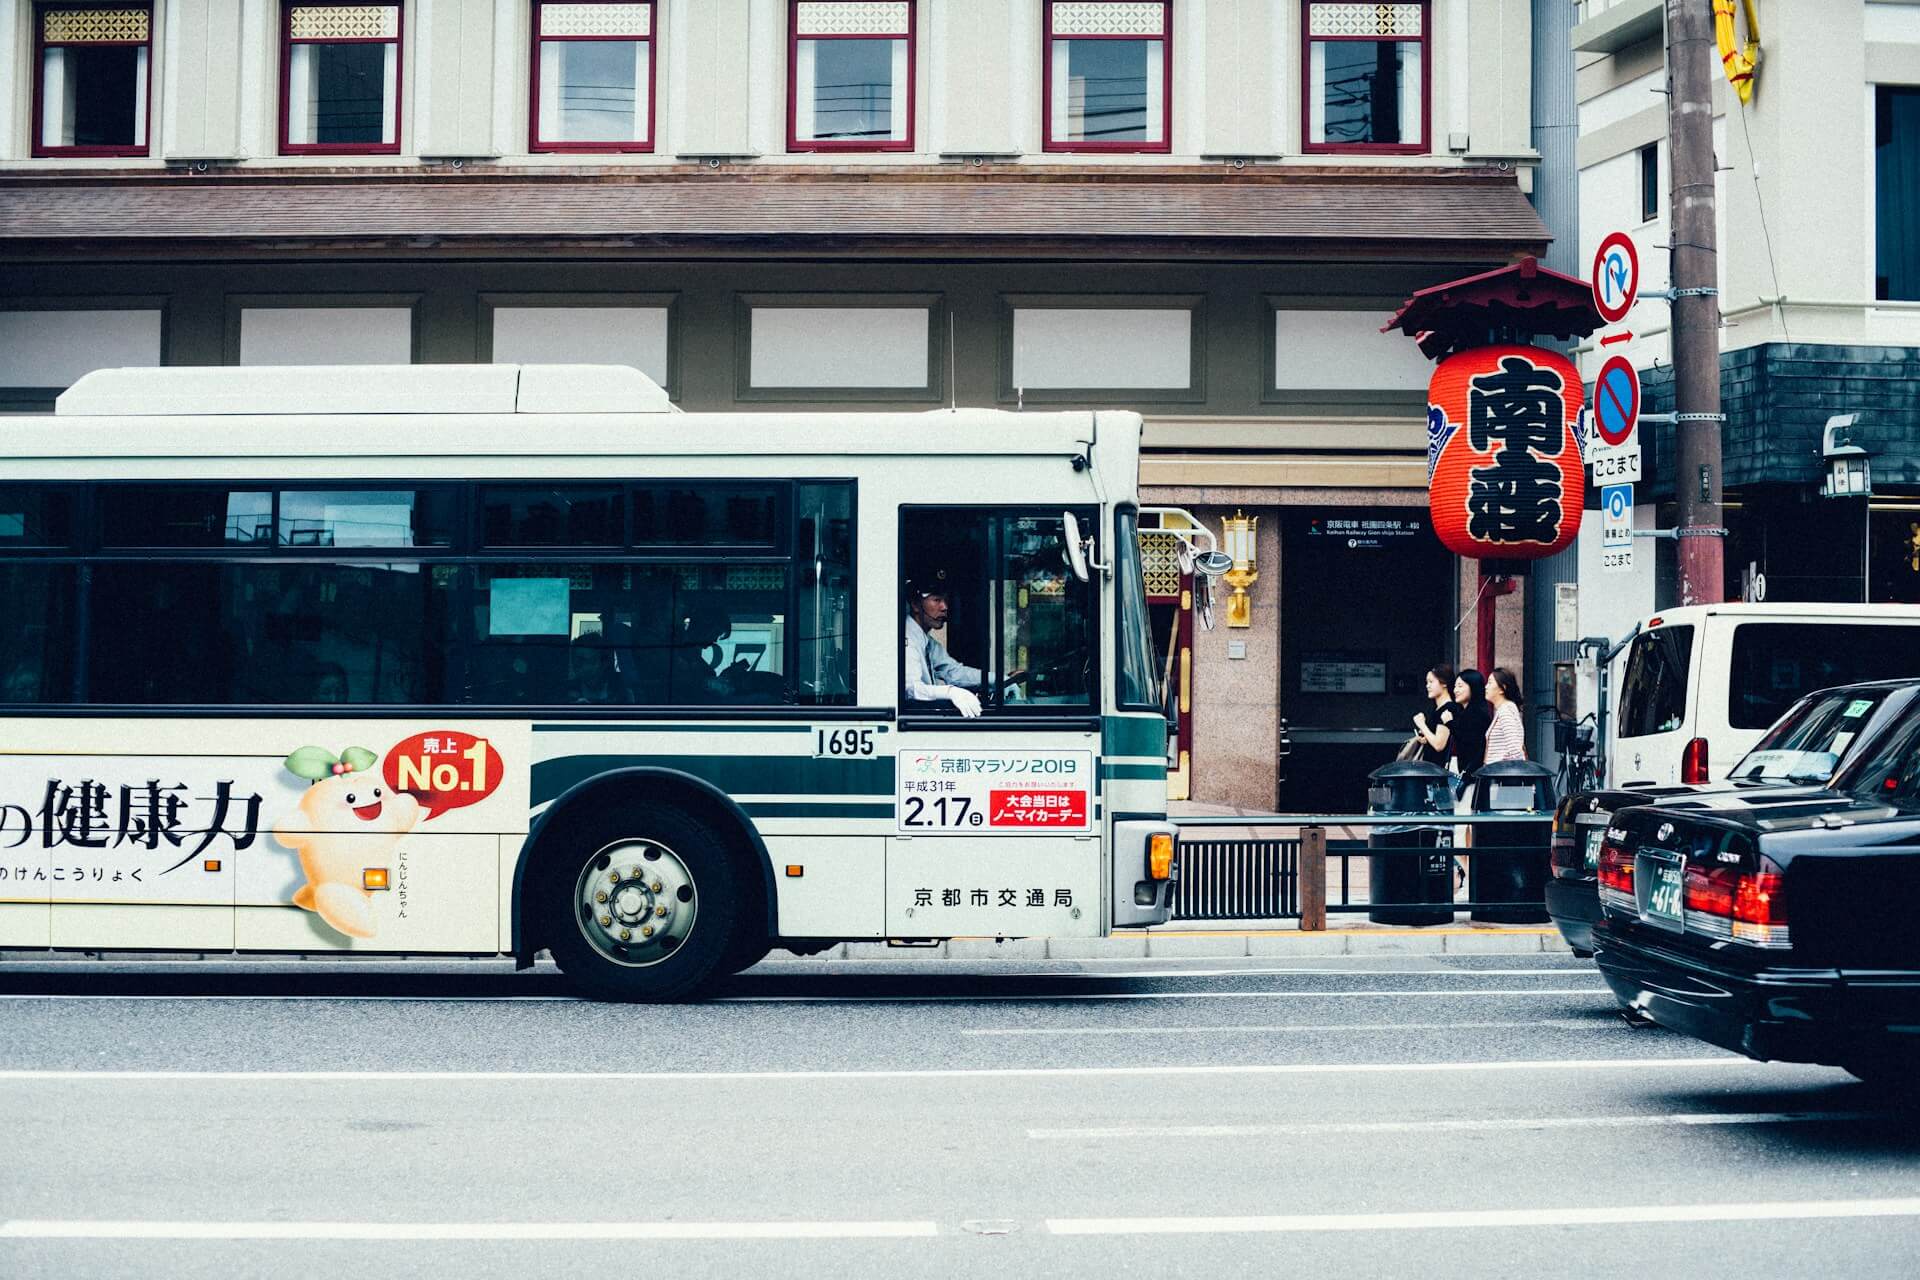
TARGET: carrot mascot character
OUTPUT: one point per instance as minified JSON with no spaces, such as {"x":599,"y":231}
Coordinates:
{"x":347,"y":821}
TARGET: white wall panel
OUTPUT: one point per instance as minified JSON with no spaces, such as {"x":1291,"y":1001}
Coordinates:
{"x":838,"y":347}
{"x":326,"y":335}
{"x":1344,"y":350}
{"x":635,"y":336}
{"x":54,"y":348}
{"x":1117,"y":348}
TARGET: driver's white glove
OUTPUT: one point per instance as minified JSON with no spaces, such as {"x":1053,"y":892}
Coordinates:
{"x":964,"y":701}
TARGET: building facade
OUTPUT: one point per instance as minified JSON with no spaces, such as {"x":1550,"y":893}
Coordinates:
{"x":1818,"y":202}
{"x":1200,"y":209}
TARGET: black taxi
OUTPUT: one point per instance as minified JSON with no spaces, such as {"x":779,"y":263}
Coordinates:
{"x":1802,"y":748}
{"x":1779,"y":923}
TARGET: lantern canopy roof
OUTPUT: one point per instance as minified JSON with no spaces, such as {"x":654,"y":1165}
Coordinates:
{"x":1512,"y":303}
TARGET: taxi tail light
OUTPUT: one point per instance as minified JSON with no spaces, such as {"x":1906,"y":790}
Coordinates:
{"x":1747,"y":906}
{"x":1160,"y":856}
{"x":1616,"y":868}
{"x":1693,"y":762}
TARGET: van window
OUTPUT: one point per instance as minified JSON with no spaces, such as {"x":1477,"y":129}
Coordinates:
{"x":1653,"y":695}
{"x":1774,"y":663}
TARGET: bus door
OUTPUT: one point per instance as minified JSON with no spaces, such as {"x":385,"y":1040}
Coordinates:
{"x":997,"y":822}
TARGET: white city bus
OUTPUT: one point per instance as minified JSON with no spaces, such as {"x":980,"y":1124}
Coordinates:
{"x":489,"y":659}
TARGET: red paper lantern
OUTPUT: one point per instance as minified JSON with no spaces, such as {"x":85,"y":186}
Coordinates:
{"x":1504,"y":478}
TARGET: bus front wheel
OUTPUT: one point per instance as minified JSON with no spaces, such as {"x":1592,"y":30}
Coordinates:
{"x":642,"y":904}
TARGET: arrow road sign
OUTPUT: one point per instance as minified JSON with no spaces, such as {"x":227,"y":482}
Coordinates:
{"x":1616,"y":276}
{"x":1616,"y":401}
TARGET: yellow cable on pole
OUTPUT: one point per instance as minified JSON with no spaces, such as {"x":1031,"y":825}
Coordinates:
{"x":1739,"y":63}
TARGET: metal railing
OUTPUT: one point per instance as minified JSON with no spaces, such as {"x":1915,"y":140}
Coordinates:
{"x":1288,"y":877}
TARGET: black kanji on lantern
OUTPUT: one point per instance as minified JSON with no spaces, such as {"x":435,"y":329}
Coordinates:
{"x":1521,"y":411}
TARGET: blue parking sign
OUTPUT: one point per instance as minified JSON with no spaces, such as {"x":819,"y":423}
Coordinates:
{"x":1616,"y":515}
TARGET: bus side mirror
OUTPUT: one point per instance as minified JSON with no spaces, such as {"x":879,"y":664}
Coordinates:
{"x":1076,"y":552}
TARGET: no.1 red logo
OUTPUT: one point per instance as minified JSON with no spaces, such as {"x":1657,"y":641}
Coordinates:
{"x":1027,"y":808}
{"x":443,"y":770}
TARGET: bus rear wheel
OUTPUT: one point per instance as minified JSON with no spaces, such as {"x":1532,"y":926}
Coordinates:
{"x":641,"y":904}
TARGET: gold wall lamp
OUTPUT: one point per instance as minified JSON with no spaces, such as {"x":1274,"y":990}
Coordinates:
{"x":1237,"y":536}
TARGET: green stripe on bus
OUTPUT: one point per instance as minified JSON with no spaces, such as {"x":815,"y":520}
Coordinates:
{"x":734,"y":775}
{"x":1133,"y":736}
{"x":1121,"y":772}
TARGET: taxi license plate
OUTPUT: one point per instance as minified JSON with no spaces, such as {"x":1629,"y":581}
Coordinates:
{"x":1664,"y":876}
{"x":1596,"y":836}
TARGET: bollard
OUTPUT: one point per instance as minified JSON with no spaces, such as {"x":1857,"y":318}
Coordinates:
{"x":1313,"y":879}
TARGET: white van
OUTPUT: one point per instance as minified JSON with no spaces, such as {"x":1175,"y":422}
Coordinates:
{"x":1698,"y":686}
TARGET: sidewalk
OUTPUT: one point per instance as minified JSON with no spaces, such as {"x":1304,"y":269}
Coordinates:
{"x":1344,"y":936}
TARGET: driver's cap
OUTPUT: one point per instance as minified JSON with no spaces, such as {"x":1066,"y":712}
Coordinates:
{"x":928,"y":583}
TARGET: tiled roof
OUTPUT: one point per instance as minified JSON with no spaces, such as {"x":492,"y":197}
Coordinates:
{"x":1419,"y":212}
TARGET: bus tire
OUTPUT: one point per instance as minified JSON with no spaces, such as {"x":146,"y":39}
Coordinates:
{"x":641,"y":903}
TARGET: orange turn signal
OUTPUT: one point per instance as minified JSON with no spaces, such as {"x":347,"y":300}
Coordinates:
{"x":795,"y":871}
{"x":212,"y":864}
{"x":1160,"y":855}
{"x":373,"y":878}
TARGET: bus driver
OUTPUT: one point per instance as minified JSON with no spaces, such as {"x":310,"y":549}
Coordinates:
{"x":932,"y":673}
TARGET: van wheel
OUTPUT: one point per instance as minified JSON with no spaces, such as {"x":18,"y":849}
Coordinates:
{"x":640,"y":904}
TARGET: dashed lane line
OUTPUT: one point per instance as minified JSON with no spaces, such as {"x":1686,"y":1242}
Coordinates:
{"x":932,"y":1073}
{"x":1482,"y":1219}
{"x":82,"y":1229}
{"x":1508,"y":1124}
{"x":1263,"y":1028}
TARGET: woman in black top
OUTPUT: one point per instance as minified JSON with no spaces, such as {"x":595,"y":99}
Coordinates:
{"x":1433,"y":725}
{"x":1467,"y":743}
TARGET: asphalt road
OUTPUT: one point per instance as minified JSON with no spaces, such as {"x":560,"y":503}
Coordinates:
{"x":1464,"y":1116}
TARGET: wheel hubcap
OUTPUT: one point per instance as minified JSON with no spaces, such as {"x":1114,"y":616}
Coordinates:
{"x":636,"y":902}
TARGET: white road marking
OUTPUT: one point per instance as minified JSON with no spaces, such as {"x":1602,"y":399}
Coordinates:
{"x":343,"y":998}
{"x":932,"y":1073}
{"x":1506,"y":1124}
{"x":1377,"y":972}
{"x":81,"y":1229}
{"x":1776,"y":1211}
{"x":1241,"y":1028}
{"x":1162,"y":995}
{"x":850,"y":998}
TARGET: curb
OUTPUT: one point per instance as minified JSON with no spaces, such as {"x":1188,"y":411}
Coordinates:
{"x":1194,"y":944}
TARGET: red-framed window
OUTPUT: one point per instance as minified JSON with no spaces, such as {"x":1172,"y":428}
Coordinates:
{"x":1367,"y":83}
{"x":340,"y":79}
{"x":850,"y":75}
{"x":92,"y":82}
{"x":1108,"y":75}
{"x":593,"y":76}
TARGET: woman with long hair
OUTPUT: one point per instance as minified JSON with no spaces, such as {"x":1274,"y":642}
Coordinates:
{"x":1433,"y":724}
{"x":1506,"y":733}
{"x":1467,"y":742}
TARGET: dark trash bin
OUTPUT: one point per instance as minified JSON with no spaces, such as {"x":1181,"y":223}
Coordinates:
{"x":1410,"y":880}
{"x":1508,"y":863}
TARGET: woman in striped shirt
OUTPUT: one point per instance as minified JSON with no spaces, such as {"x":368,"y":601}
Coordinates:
{"x":1507,"y":735}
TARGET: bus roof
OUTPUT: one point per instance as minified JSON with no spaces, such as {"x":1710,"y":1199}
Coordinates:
{"x":261,"y":390}
{"x":452,"y":420}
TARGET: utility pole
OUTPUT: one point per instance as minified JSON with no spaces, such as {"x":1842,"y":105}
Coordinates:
{"x":1698,"y":420}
